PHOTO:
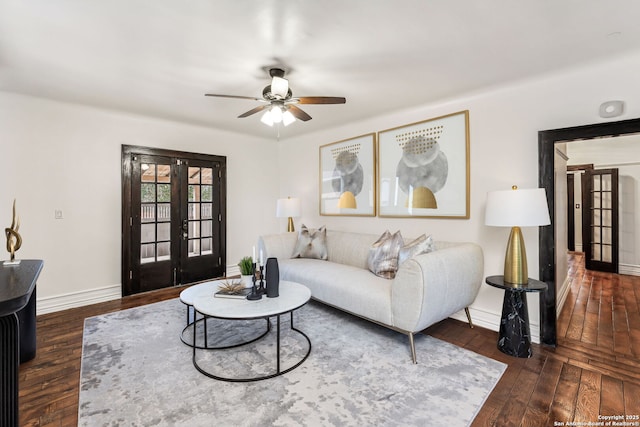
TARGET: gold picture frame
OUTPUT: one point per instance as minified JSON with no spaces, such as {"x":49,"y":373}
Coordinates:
{"x":348,"y":177}
{"x":423,"y":169}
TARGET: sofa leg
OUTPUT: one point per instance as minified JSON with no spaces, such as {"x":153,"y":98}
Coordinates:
{"x":466,"y":310}
{"x":412,"y":344}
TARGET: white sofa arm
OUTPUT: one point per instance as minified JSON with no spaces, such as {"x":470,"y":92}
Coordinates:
{"x":278,"y":245}
{"x":430,"y":287}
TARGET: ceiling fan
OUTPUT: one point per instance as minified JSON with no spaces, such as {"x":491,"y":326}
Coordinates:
{"x":279,"y":103}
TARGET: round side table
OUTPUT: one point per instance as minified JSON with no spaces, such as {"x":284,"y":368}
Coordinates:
{"x":514,"y":338}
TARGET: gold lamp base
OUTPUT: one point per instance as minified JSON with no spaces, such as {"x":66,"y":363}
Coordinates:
{"x":290,"y":227}
{"x":515,"y":261}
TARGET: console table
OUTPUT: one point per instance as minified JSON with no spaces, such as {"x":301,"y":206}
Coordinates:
{"x":514,"y":338}
{"x":17,"y":330}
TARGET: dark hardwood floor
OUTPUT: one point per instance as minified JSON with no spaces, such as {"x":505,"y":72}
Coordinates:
{"x":595,"y":369}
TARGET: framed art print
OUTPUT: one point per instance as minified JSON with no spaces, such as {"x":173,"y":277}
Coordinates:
{"x":348,"y":177}
{"x":423,"y":168}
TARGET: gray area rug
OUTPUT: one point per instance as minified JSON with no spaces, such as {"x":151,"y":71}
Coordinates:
{"x":137,"y":372}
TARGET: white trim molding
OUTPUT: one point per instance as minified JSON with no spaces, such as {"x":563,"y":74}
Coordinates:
{"x":77,"y":299}
{"x":629,"y":269}
{"x":491,"y":320}
{"x":93,"y":296}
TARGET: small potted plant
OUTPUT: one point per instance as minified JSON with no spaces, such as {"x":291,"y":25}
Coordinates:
{"x":246,"y":270}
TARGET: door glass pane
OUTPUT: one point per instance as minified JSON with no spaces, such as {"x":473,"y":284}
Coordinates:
{"x":164,"y":231}
{"x":606,"y":217}
{"x":147,"y":193}
{"x":194,"y":175}
{"x":206,"y":245}
{"x":147,"y":253}
{"x":164,"y":251}
{"x":207,"y":176}
{"x":606,"y":253}
{"x":206,"y":210}
{"x":207,"y":193}
{"x":596,"y":183}
{"x":194,"y":211}
{"x":148,"y":212}
{"x":147,"y":233}
{"x":606,"y":235}
{"x":148,"y":172}
{"x":606,"y":182}
{"x":597,"y":219}
{"x":194,"y":193}
{"x":164,"y":193}
{"x":164,"y":173}
{"x":194,"y":229}
{"x":596,"y":200}
{"x":164,"y":211}
{"x":194,"y":247}
{"x":206,"y":227}
{"x":595,"y":252}
{"x":606,"y":200}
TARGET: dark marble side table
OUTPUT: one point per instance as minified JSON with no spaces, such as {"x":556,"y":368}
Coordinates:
{"x":515,"y":337}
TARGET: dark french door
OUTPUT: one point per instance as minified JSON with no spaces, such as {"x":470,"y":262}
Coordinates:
{"x":173,"y":218}
{"x":600,"y":219}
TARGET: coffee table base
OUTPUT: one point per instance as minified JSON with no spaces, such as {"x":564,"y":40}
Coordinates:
{"x":206,"y":346}
{"x":278,"y":370}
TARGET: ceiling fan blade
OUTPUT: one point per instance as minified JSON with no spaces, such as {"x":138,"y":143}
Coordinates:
{"x":253,"y":98}
{"x":321,"y":100}
{"x":254,"y":110}
{"x":298,"y":113}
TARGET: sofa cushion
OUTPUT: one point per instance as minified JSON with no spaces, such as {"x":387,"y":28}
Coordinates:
{"x":311,"y":243}
{"x":349,"y":288}
{"x":421,"y":245}
{"x":383,"y":255}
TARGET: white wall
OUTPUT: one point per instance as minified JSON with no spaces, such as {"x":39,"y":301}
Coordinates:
{"x":68,"y":157}
{"x":504,"y":125}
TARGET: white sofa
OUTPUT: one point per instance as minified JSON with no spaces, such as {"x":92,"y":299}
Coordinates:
{"x":426,"y":289}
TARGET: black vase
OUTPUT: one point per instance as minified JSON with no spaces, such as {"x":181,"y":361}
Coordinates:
{"x":273,"y":277}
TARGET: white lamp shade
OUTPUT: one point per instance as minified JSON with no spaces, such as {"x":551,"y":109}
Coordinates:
{"x":517,"y":208}
{"x":288,"y":208}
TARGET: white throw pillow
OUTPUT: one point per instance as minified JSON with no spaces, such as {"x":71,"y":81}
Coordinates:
{"x":383,"y":255}
{"x":311,"y":243}
{"x":422,"y":245}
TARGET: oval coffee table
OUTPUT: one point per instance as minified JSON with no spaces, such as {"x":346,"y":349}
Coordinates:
{"x":187,"y":297}
{"x":292,"y":297}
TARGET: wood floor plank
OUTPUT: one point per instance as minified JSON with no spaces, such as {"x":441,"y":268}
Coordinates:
{"x":612,"y":397}
{"x":631,"y":400}
{"x":564,"y":400}
{"x":588,"y":401}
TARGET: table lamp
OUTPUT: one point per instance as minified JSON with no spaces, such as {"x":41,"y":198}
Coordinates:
{"x":517,"y":208}
{"x":288,"y":208}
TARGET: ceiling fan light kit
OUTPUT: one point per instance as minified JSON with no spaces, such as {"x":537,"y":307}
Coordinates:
{"x":280,"y":104}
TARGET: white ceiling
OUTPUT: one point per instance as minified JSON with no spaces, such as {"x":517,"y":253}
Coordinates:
{"x":159,"y":57}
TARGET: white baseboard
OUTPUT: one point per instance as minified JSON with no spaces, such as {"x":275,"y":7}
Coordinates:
{"x":77,"y":299}
{"x":491,"y":320}
{"x":561,"y":298}
{"x":629,"y":269}
{"x":92,"y":296}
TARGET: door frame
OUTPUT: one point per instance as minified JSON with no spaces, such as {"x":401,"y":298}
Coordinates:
{"x":547,"y":236}
{"x":126,"y":223}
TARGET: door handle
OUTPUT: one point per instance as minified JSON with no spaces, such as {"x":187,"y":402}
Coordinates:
{"x":185,"y":229}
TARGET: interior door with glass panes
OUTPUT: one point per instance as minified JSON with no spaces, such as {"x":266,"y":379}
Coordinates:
{"x":600,"y":219}
{"x":155,"y":221}
{"x":201,"y":226}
